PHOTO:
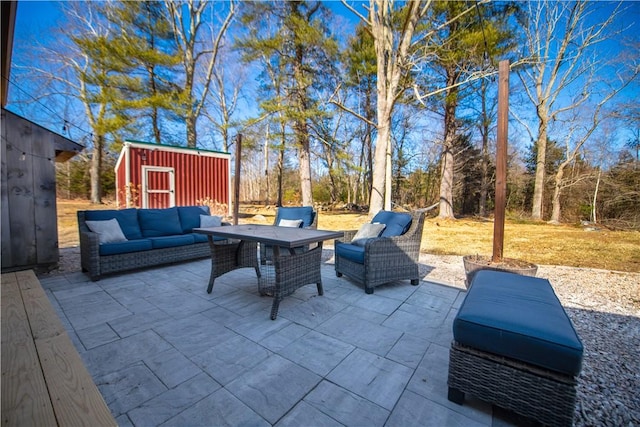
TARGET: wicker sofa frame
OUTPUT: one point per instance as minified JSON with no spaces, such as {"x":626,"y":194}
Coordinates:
{"x":386,"y":259}
{"x":530,"y":391}
{"x":96,"y":265}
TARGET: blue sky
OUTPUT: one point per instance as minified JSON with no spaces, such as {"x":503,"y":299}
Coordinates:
{"x":36,"y":20}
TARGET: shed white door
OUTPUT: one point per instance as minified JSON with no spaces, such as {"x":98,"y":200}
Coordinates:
{"x":158,"y":187}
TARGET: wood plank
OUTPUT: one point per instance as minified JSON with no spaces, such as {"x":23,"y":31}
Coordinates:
{"x":25,"y":398}
{"x":44,"y":196}
{"x":43,"y":318}
{"x":5,"y":228}
{"x":40,"y":312}
{"x":76,"y":399}
{"x":20,"y":191}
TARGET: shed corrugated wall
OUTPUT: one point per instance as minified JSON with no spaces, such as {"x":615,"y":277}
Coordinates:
{"x":197,"y":175}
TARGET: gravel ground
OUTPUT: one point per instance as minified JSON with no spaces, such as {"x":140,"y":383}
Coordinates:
{"x":605,"y":309}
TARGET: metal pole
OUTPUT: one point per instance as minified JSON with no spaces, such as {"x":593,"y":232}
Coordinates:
{"x":236,"y":180}
{"x":501,"y":161}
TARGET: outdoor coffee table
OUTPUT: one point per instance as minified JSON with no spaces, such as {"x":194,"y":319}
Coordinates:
{"x":293,"y":268}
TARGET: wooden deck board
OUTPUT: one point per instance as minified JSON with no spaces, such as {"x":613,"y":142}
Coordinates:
{"x":44,"y":381}
{"x":25,"y":397}
{"x":77,"y":400}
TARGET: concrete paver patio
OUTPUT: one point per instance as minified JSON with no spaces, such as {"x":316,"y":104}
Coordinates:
{"x":164,"y":352}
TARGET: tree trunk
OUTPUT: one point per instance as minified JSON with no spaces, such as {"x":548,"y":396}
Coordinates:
{"x":555,"y":211}
{"x":484,"y":130}
{"x":192,"y":133}
{"x":594,"y":217}
{"x":447,"y":162}
{"x":281,"y":163}
{"x":541,"y":162}
{"x":305,"y":173}
{"x":446,"y":184}
{"x":376,"y":202}
{"x":96,"y":168}
{"x":266,"y":168}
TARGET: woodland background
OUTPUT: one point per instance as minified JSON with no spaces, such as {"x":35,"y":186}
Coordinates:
{"x":351,"y":104}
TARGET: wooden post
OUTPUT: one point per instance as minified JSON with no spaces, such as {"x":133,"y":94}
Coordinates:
{"x":236,"y":180}
{"x":501,"y":161}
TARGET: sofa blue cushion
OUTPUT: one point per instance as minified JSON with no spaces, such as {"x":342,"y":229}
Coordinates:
{"x":305,"y":213}
{"x":125,"y":247}
{"x":171,"y":241}
{"x":159,"y":222}
{"x":519,"y":317}
{"x":397,"y":223}
{"x":351,"y":252}
{"x":127,"y":218}
{"x":190,"y":216}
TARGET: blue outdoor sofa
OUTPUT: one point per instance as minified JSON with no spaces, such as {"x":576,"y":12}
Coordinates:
{"x":149,"y":237}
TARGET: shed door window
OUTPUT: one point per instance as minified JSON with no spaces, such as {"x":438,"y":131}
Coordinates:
{"x":158,"y":187}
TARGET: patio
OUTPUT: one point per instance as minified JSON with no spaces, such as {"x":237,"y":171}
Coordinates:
{"x":164,"y":352}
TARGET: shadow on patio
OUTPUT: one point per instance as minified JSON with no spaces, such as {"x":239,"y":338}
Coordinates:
{"x":164,"y":352}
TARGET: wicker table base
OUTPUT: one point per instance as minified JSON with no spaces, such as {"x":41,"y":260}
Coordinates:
{"x":546,"y":396}
{"x":298,"y":268}
{"x":288,"y":273}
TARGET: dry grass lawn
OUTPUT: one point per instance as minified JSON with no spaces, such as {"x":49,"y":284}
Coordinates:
{"x":539,"y":243}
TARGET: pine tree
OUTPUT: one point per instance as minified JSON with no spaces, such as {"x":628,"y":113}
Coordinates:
{"x":144,"y":38}
{"x":292,"y":40}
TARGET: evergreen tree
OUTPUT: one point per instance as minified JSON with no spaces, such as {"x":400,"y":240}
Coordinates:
{"x":143,"y":37}
{"x":461,"y":49}
{"x":292,"y":39}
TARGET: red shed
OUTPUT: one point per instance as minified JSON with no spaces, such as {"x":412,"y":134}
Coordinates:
{"x":161,"y":176}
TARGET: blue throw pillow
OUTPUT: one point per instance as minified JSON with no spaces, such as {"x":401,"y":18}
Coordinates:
{"x":159,"y":222}
{"x":127,"y":218}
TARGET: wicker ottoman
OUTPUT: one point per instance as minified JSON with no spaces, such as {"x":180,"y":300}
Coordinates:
{"x":515,"y":347}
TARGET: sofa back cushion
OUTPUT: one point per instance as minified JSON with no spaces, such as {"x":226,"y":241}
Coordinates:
{"x":397,"y":223}
{"x":127,"y":218}
{"x":159,"y":222}
{"x":190,"y":216}
{"x":305,"y":213}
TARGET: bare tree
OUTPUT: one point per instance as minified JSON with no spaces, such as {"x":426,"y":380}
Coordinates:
{"x":559,"y":39}
{"x":77,"y":65}
{"x":392,"y":53}
{"x":199,"y":56}
{"x":227,"y":85}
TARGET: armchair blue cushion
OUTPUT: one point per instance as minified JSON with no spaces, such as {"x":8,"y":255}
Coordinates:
{"x":397,"y":223}
{"x":305,"y":213}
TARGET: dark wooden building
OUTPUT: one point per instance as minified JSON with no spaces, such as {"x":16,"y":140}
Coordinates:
{"x":28,"y":190}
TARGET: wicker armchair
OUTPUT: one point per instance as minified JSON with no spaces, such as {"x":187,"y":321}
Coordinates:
{"x":309,"y":219}
{"x":384,"y":259}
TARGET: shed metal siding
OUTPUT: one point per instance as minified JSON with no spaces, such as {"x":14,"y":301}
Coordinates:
{"x":198,"y":174}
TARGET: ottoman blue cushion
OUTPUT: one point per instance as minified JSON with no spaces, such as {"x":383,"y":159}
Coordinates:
{"x":519,"y":317}
{"x":397,"y":223}
{"x":159,"y":222}
{"x":127,"y":218}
